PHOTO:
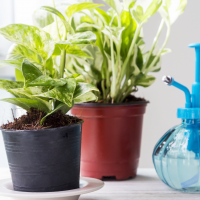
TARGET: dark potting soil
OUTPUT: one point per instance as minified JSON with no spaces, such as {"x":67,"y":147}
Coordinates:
{"x":31,"y":121}
{"x":129,"y":99}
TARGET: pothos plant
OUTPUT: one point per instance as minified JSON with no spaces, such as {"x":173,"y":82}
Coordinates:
{"x":40,"y":62}
{"x":121,"y":63}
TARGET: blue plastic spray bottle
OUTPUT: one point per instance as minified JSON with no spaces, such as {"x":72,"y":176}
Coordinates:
{"x":176,"y":156}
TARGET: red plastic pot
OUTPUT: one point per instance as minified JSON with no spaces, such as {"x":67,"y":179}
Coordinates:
{"x":111,"y":138}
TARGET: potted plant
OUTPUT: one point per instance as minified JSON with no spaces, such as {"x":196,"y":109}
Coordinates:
{"x":43,"y":147}
{"x":113,"y":125}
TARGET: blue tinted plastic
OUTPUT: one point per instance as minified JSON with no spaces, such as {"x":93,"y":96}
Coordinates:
{"x":176,"y":157}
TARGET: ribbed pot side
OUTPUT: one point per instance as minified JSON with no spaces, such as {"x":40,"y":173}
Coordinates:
{"x":111,"y":139}
{"x":45,"y":160}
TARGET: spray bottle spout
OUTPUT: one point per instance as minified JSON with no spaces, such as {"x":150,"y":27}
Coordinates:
{"x":170,"y":81}
{"x":196,"y":84}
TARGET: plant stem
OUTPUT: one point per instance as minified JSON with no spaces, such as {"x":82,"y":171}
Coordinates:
{"x":56,"y":22}
{"x":129,"y":90}
{"x":123,"y":72}
{"x":62,"y":63}
{"x":154,"y":43}
{"x":103,"y":89}
{"x":160,"y":52}
{"x":113,"y":69}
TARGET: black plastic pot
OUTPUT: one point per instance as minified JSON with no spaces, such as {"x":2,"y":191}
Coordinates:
{"x":44,"y":160}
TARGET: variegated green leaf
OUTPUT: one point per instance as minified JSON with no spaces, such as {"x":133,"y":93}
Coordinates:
{"x":11,"y":63}
{"x":116,"y":5}
{"x":83,"y":88}
{"x":61,"y":106}
{"x":170,"y":10}
{"x":31,"y":37}
{"x":28,"y":94}
{"x":89,"y":96}
{"x":81,"y":6}
{"x":27,"y":104}
{"x":70,"y":49}
{"x":87,"y":37}
{"x":69,"y":29}
{"x":64,"y":93}
{"x":88,"y":27}
{"x":30,"y":72}
{"x":7,"y":84}
{"x":19,"y":53}
{"x":47,"y":81}
{"x":144,"y":80}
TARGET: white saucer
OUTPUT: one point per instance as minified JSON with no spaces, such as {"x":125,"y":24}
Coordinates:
{"x":87,"y":185}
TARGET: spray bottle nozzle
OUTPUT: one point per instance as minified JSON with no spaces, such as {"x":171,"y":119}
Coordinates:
{"x":167,"y":80}
{"x":170,"y":81}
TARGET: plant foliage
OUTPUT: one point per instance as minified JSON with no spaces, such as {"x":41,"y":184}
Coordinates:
{"x":120,"y":62}
{"x":40,"y":63}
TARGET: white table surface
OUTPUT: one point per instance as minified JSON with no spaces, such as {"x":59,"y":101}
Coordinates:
{"x":146,"y":186}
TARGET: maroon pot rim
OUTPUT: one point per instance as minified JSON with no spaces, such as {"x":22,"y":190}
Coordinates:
{"x":111,"y":105}
{"x":41,"y":130}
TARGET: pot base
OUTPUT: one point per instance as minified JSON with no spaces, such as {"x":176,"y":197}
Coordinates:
{"x":119,"y":171}
{"x":87,"y":185}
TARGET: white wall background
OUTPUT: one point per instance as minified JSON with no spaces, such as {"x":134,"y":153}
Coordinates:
{"x":161,"y":112}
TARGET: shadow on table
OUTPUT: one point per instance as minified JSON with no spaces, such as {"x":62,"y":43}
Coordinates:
{"x":137,"y":178}
{"x":88,"y":198}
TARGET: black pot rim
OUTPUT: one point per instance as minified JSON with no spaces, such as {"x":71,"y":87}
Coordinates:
{"x":111,"y":105}
{"x":36,"y":130}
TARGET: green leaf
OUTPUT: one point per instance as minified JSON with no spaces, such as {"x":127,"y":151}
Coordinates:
{"x":30,"y":37}
{"x":78,"y":78}
{"x":83,"y":88}
{"x":61,"y":106}
{"x":27,"y":104}
{"x":18,"y":75}
{"x":81,"y":6}
{"x":7,"y":84}
{"x":131,"y":4}
{"x":95,"y":64}
{"x":63,"y":93}
{"x":30,"y":72}
{"x":138,"y":14}
{"x":182,"y":5}
{"x":144,"y":80}
{"x":59,"y":14}
{"x":116,"y":5}
{"x":104,"y":15}
{"x":54,"y":11}
{"x":165,"y":51}
{"x":11,"y":63}
{"x":89,"y":96}
{"x":128,"y":33}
